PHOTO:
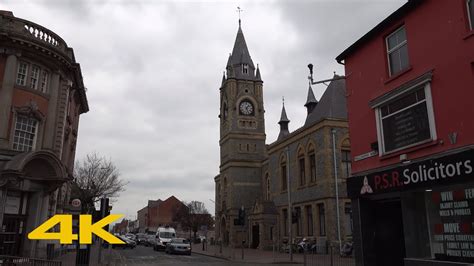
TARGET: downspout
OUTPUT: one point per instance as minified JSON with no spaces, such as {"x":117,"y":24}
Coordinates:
{"x":333,"y":131}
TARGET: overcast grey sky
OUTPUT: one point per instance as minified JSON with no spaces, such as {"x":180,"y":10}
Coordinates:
{"x":153,"y":71}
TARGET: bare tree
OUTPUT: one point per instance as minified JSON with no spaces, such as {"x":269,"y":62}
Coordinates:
{"x":193,"y":216}
{"x":97,"y":177}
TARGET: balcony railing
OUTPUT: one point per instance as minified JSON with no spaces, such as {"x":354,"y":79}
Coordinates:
{"x":24,"y":30}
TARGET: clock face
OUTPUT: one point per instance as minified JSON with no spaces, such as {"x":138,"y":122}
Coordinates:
{"x":246,"y":108}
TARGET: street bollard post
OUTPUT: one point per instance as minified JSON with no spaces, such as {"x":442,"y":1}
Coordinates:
{"x":243,"y":242}
{"x":332,"y":258}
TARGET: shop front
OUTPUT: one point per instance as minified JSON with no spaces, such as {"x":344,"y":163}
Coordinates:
{"x":416,"y":213}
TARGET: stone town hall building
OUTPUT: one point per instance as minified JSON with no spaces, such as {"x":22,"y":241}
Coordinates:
{"x":253,"y":175}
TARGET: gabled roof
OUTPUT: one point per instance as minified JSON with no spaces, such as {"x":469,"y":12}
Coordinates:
{"x":332,"y":104}
{"x":399,"y":13}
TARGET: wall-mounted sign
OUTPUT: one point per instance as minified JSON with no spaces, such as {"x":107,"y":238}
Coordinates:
{"x":365,"y":155}
{"x":451,"y":217}
{"x":444,"y":170}
{"x":12,"y":204}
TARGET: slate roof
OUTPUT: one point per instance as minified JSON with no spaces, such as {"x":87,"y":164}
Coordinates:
{"x":283,"y":117}
{"x":240,"y":53}
{"x":332,"y":104}
{"x":310,"y":99}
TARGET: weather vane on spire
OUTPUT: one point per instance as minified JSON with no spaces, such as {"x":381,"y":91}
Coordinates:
{"x":283,"y":100}
{"x":239,"y":10}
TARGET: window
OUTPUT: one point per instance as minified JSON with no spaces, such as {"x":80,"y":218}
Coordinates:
{"x":299,"y":221}
{"x":285,"y":222}
{"x":302,"y":172}
{"x":21,"y":75}
{"x":397,"y":51}
{"x":284,"y":183}
{"x":309,"y":220}
{"x":312,"y":166}
{"x":268,"y":188}
{"x":322,"y":219}
{"x":44,"y":81}
{"x":25,"y":132}
{"x":470,"y":13}
{"x":346,"y":163}
{"x":407,"y":120}
{"x":35,"y":70}
{"x":245,"y":69}
{"x":348,"y":218}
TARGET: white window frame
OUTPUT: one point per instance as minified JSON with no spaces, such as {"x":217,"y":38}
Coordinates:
{"x":469,"y":15}
{"x":35,"y":133}
{"x":429,"y":106}
{"x":35,"y":76}
{"x":44,"y":78}
{"x":397,"y":47}
{"x":22,"y":82}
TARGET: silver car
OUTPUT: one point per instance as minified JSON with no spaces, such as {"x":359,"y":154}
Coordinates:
{"x":179,"y":246}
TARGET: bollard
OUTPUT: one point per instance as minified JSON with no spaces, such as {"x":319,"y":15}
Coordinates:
{"x":243,"y":242}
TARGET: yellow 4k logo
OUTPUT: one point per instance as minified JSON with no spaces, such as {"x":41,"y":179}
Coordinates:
{"x":86,"y":228}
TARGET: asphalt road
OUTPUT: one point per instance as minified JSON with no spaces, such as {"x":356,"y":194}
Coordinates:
{"x":147,"y":256}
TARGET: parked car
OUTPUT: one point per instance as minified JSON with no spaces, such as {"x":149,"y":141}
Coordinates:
{"x":150,"y":240}
{"x":178,"y":246}
{"x":131,"y":236}
{"x":128,"y":242}
{"x":163,"y":236}
{"x":141,"y":239}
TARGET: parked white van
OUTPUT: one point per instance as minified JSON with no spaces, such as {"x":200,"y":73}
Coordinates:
{"x":163,"y":236}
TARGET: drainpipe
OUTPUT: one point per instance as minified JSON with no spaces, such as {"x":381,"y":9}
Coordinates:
{"x":333,"y":131}
{"x":290,"y":211}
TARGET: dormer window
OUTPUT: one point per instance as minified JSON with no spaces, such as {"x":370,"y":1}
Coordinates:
{"x":245,"y":69}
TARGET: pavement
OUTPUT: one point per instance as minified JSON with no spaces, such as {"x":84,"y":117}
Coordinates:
{"x":251,"y":256}
{"x":108,"y":257}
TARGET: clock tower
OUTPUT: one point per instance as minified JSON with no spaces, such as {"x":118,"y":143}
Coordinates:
{"x":242,"y":142}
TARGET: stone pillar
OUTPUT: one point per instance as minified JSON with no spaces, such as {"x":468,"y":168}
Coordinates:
{"x":6,"y":95}
{"x":3,"y":198}
{"x":49,"y":127}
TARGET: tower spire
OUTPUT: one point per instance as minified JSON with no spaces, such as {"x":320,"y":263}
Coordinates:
{"x":311,"y":101}
{"x":284,"y":121}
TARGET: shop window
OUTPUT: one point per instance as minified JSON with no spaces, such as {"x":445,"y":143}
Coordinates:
{"x":470,"y":13}
{"x":346,"y":163}
{"x":397,"y":51}
{"x":285,"y":222}
{"x":309,"y":220}
{"x":322,"y":219}
{"x":406,"y":120}
{"x":24,"y":138}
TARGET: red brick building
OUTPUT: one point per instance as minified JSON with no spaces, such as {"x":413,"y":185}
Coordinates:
{"x":158,"y":213}
{"x":410,"y":84}
{"x":42,"y":96}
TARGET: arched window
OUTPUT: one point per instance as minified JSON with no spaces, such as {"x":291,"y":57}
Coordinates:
{"x":301,"y":167}
{"x":312,"y":163}
{"x":284,"y":181}
{"x":345,"y":159}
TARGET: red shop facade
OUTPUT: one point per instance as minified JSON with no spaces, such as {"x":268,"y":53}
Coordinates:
{"x":410,"y":85}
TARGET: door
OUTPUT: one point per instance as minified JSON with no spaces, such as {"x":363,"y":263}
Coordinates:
{"x":11,"y":234}
{"x":389,"y":237}
{"x":255,"y":236}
